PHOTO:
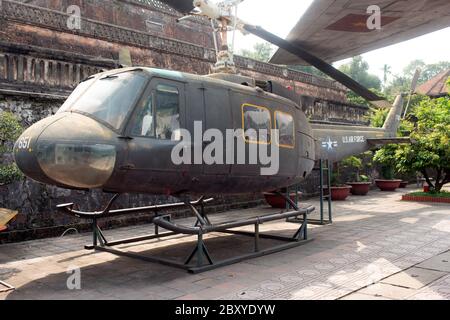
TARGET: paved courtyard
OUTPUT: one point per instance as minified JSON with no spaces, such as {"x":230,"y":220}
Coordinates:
{"x":377,"y":248}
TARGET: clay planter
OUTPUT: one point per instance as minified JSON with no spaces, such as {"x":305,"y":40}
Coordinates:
{"x":359,"y":188}
{"x":340,"y":193}
{"x":388,"y":185}
{"x":404,"y":184}
{"x":277,"y":201}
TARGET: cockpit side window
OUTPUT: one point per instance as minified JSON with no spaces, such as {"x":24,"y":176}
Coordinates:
{"x":143,"y":124}
{"x":158,"y":113}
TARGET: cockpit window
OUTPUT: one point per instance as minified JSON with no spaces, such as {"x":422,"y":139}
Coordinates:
{"x":143,"y":124}
{"x":158,"y":113}
{"x":167,"y":111}
{"x":109,"y":98}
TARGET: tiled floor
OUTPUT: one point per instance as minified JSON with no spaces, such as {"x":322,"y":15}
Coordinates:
{"x":378,"y":248}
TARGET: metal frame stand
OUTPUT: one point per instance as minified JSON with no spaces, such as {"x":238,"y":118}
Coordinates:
{"x":203,"y":226}
{"x":324,"y":166}
{"x":7,"y":286}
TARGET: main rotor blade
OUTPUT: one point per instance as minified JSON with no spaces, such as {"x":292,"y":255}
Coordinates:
{"x":314,"y":61}
{"x":183,"y":6}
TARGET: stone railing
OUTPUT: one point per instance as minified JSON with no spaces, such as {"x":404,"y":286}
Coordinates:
{"x":37,"y":70}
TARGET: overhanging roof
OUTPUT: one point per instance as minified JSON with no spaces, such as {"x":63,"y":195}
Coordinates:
{"x":337,"y":29}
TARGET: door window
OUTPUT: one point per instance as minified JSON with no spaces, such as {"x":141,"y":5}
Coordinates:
{"x":256,"y":121}
{"x":158,"y":113}
{"x":284,"y":122}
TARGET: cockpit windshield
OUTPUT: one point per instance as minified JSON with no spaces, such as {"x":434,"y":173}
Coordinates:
{"x":108,"y":98}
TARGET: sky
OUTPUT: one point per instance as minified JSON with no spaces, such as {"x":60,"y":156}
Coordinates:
{"x":281,"y":16}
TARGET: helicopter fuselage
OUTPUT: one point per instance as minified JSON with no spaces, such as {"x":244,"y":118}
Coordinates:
{"x":115,"y":132}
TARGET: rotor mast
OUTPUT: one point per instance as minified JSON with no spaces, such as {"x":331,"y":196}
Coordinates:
{"x":224,"y":14}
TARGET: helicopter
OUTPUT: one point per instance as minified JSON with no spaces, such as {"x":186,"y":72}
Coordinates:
{"x":118,"y":129}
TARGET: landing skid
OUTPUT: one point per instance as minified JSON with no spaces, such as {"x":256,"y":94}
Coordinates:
{"x":203,"y":259}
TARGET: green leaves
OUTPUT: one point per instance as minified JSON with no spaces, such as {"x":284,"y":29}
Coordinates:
{"x":352,"y":162}
{"x":9,"y":173}
{"x":10,"y":130}
{"x":430,"y":151}
{"x":358,"y":70}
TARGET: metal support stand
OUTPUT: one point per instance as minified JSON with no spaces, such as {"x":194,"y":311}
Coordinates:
{"x":203,"y":226}
{"x":7,"y":287}
{"x":324,"y":166}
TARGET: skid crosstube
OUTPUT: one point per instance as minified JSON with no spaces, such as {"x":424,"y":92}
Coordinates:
{"x":203,"y":226}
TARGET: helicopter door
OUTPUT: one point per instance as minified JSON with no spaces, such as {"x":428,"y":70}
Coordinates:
{"x":217,"y":116}
{"x":159,"y":113}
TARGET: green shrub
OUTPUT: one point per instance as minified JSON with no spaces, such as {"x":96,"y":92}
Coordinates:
{"x":10,"y":130}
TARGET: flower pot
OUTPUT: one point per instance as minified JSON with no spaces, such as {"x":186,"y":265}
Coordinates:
{"x":359,"y":188}
{"x":277,"y":201}
{"x":404,"y":184}
{"x":388,"y":185}
{"x":340,"y":193}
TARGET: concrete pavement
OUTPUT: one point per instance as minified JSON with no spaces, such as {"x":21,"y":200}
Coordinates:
{"x":378,"y":248}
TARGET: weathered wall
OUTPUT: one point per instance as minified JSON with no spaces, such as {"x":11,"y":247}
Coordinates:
{"x":41,"y":61}
{"x":108,"y":29}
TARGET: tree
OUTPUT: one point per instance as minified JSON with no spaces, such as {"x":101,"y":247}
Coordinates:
{"x":399,"y":84}
{"x":386,"y":72}
{"x":429,"y":153}
{"x":402,"y":83}
{"x":410,"y":69}
{"x":432,"y":70}
{"x":262,"y":51}
{"x":358,"y":100}
{"x":358,"y":69}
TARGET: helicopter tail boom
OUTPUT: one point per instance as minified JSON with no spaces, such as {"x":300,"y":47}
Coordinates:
{"x":336,"y":142}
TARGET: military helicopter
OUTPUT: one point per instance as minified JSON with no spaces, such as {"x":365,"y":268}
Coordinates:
{"x":115,"y":131}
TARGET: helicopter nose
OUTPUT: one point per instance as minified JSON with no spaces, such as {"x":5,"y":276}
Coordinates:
{"x":25,"y":150}
{"x":71,"y":151}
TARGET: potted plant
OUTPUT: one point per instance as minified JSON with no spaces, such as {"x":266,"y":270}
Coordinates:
{"x":361,"y":184}
{"x":339,"y":190}
{"x":404,"y":184}
{"x":275,"y":200}
{"x":386,"y":157}
{"x":388,"y":183}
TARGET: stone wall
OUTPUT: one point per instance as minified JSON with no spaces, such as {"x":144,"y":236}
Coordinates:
{"x":107,"y":30}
